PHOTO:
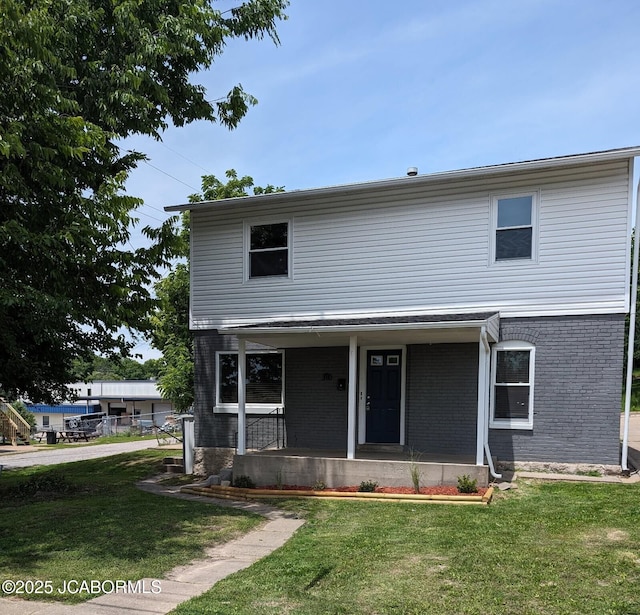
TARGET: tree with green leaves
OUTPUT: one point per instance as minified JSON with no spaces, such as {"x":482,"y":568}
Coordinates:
{"x":170,"y":322}
{"x":21,"y":408}
{"x":114,"y":368}
{"x":77,"y":77}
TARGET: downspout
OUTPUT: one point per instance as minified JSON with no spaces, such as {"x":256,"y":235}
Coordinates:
{"x":487,"y":450}
{"x":631,"y":342}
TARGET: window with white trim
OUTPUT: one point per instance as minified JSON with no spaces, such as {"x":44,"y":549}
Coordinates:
{"x":512,"y":376}
{"x":268,"y":250}
{"x":514,"y":219}
{"x":264,"y":372}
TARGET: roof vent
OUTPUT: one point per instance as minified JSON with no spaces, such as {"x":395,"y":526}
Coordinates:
{"x":412,"y":171}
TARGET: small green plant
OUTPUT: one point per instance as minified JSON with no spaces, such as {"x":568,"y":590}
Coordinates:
{"x":588,"y":473}
{"x":319,"y":485}
{"x":244,"y":482}
{"x":466,"y":484}
{"x":368,"y":486}
{"x":279,"y":478}
{"x":414,"y":469}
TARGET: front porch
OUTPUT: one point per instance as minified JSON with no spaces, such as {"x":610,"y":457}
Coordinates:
{"x":300,"y":466}
{"x":406,"y":383}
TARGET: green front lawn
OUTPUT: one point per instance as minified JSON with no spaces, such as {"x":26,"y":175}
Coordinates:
{"x":87,"y":520}
{"x":556,"y":548}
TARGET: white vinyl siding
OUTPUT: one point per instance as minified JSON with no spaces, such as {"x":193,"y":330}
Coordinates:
{"x":415,"y":251}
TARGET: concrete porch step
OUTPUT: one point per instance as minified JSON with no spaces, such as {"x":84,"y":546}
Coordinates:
{"x":380,"y":448}
{"x":173,"y":465}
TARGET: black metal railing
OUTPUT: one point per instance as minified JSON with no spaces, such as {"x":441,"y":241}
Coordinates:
{"x":267,"y":431}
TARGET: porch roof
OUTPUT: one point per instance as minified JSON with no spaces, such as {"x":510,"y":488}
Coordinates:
{"x":416,"y":329}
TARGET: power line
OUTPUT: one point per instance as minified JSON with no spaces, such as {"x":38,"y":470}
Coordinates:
{"x":129,"y":151}
{"x":171,"y":176}
{"x":195,"y":164}
{"x":143,"y":213}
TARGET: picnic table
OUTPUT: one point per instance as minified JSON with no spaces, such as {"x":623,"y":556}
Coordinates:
{"x":63,"y":436}
{"x":72,"y":436}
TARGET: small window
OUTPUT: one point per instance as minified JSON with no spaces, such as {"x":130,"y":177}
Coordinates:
{"x":264,"y":378}
{"x":512,"y":385}
{"x":514,"y":227}
{"x":268,"y":250}
{"x":45,"y":420}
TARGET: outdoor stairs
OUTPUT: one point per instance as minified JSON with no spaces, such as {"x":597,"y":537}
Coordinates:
{"x":173,"y":465}
{"x":13,"y":427}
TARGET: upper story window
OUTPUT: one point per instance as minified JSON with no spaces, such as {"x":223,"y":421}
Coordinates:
{"x":268,"y":250}
{"x":515,"y":229}
{"x":512,"y":385}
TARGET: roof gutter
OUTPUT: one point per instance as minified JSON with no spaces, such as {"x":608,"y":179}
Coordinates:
{"x":332,"y":329}
{"x":485,"y":426}
{"x":631,"y":341}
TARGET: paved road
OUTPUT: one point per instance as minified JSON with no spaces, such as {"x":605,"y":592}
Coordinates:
{"x":10,"y":459}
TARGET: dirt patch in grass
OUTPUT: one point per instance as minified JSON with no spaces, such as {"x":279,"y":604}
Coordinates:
{"x":629,"y":556}
{"x":427,"y":564}
{"x":604,"y":536}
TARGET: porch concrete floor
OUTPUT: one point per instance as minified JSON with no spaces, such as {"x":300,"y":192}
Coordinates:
{"x":369,"y":455}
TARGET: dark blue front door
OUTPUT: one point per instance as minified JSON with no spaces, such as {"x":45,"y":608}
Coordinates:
{"x":384,"y":379}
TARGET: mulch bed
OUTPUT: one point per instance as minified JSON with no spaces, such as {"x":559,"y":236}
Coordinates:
{"x":442,"y":490}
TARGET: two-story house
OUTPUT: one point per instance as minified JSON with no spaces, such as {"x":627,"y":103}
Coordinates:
{"x":466,"y":316}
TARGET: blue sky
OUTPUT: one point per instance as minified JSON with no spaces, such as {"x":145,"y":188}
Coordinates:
{"x":362,"y":89}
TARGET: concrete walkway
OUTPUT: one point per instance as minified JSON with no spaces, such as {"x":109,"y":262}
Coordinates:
{"x":183,"y":582}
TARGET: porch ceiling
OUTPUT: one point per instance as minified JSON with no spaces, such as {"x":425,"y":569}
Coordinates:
{"x":395,"y":330}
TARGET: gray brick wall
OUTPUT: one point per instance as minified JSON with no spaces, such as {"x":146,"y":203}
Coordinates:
{"x":316,"y":411}
{"x":577,"y":394}
{"x":442,"y":398}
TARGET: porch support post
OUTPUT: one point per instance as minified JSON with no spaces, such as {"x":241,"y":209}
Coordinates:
{"x":242,"y":384}
{"x":351,"y":407}
{"x":483,"y":371}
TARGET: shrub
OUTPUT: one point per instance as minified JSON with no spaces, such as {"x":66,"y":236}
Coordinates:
{"x":368,"y":486}
{"x":244,"y":482}
{"x":466,"y":484}
{"x":319,"y":485}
